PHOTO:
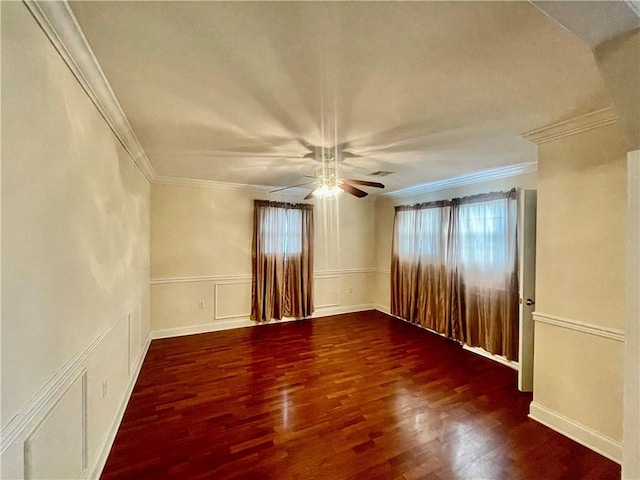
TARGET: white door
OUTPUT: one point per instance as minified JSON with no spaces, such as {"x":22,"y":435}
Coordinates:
{"x":527,"y":200}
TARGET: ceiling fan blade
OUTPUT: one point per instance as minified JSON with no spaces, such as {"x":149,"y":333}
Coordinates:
{"x":291,"y":186}
{"x":353,"y":190}
{"x":309,"y":195}
{"x":366,"y":183}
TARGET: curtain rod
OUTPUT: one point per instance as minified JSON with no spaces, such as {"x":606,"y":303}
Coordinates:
{"x":481,"y":197}
{"x":269,"y":203}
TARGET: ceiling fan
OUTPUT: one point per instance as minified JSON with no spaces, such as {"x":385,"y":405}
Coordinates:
{"x":327,"y":179}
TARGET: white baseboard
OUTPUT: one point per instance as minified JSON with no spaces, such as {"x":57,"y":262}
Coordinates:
{"x":477,"y":350}
{"x":216,"y":326}
{"x":103,"y":453}
{"x":382,"y":308}
{"x":242,"y":322}
{"x":597,"y":442}
{"x":337,"y":310}
{"x":496,"y":358}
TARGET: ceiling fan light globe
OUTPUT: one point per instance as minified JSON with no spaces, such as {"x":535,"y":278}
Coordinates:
{"x":322,"y":191}
{"x":325,"y":191}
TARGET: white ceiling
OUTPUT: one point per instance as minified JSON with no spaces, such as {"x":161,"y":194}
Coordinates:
{"x":238,"y":91}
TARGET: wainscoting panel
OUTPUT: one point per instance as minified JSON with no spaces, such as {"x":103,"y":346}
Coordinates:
{"x":56,"y":448}
{"x":326,"y":291}
{"x":181,"y":304}
{"x":232,"y":299}
{"x":578,"y":380}
{"x":67,"y":429}
{"x":226,"y":300}
{"x":109,"y":368}
{"x":356,"y":288}
{"x":382,"y":290}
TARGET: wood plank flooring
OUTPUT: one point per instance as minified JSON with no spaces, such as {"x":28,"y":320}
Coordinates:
{"x":357,"y":396}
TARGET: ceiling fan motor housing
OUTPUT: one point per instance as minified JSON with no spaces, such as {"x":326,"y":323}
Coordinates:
{"x":327,"y":174}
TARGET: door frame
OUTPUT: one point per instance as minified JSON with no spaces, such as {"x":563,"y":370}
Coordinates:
{"x":527,"y":205}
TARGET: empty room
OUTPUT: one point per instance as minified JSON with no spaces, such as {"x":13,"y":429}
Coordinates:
{"x":320,"y":240}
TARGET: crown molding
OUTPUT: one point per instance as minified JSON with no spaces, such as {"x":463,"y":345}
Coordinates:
{"x":482,"y":176}
{"x":242,"y":187}
{"x":572,"y":126}
{"x":61,"y":27}
{"x":211,"y":184}
{"x":215,"y":185}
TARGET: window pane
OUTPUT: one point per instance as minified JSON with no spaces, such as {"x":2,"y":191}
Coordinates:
{"x":421,"y":235}
{"x":293,"y":236}
{"x":485,"y":235}
{"x":281,"y":231}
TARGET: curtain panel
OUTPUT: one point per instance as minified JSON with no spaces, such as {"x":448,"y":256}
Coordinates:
{"x":454,"y":269}
{"x":282,"y":260}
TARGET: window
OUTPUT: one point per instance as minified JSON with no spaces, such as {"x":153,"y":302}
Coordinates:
{"x":422,"y":235}
{"x":453,"y":269}
{"x":281,"y":231}
{"x":282,"y":260}
{"x":486,"y":241}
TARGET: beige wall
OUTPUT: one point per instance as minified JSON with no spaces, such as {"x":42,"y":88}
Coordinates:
{"x":201,"y":255}
{"x":631,"y":423}
{"x":384,"y":213}
{"x":619,"y":62}
{"x":75,"y":263}
{"x":580,"y":285}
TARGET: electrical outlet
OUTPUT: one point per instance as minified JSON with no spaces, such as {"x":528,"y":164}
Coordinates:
{"x":200,"y":303}
{"x":350,"y":290}
{"x":105,"y":387}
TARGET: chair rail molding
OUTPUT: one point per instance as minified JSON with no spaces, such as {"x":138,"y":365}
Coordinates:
{"x":247,"y":276}
{"x":583,"y":327}
{"x":382,"y":272}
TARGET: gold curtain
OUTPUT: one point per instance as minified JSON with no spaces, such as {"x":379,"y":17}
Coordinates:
{"x":282,"y":260}
{"x":421,"y":283}
{"x":485,"y":246}
{"x":454,"y":269}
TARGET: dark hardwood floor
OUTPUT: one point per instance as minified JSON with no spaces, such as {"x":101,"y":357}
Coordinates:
{"x":357,"y":396}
